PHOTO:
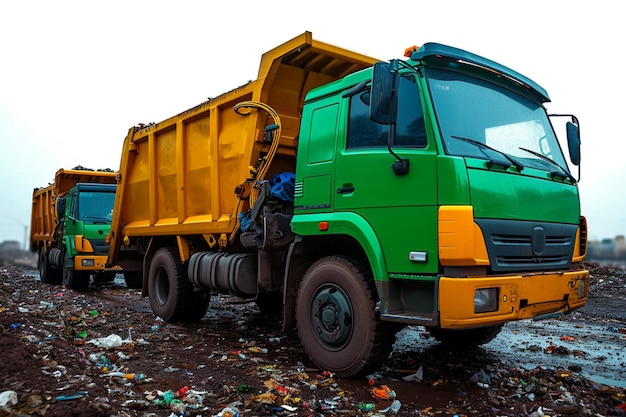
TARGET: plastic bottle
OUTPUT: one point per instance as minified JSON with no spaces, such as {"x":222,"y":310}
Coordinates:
{"x":395,"y":406}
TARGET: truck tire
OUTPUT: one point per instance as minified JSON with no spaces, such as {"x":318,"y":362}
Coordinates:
{"x":460,"y":339}
{"x":75,"y":280}
{"x":48,"y":274}
{"x":336,"y":319}
{"x":270,"y":302}
{"x":105,"y":277}
{"x":133,"y":279}
{"x":171,"y":294}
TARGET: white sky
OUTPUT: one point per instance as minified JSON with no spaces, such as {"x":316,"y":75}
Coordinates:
{"x":76,"y":75}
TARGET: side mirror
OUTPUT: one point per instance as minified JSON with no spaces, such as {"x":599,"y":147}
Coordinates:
{"x":573,"y":142}
{"x":384,"y":99}
{"x":60,"y":207}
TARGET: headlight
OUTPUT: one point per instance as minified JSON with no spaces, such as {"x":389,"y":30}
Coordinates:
{"x":581,"y":289}
{"x":486,"y":300}
{"x":88,"y":262}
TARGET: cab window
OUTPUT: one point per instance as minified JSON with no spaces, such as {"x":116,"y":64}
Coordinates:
{"x":409,"y":129}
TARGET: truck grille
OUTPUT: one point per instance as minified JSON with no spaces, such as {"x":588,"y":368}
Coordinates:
{"x":99,"y":246}
{"x":528,"y":246}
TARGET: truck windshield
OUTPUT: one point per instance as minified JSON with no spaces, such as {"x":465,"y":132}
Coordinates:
{"x":470,"y":108}
{"x":95,"y":207}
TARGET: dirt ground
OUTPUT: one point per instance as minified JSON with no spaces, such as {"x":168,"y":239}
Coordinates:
{"x":101,"y":352}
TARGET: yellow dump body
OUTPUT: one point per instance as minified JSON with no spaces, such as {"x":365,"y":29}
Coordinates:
{"x":43,"y":215}
{"x":178,"y":177}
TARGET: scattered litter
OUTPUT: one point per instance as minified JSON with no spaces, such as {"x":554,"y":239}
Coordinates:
{"x":394,"y":407}
{"x":8,"y":398}
{"x":228,"y":412}
{"x":367,"y":407}
{"x":109,"y":342}
{"x":417,"y":376}
{"x":482,"y":379}
{"x":79,"y":394}
{"x":129,"y":376}
{"x":383,"y":393}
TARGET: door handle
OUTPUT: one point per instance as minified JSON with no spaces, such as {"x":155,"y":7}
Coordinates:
{"x":345,"y":190}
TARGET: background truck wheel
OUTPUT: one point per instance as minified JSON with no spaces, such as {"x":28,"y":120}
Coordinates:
{"x":460,"y":339}
{"x":133,"y":279}
{"x":270,"y":302}
{"x":75,"y":280}
{"x":105,"y":277}
{"x":48,"y":274}
{"x":336,"y":319}
{"x":171,"y":294}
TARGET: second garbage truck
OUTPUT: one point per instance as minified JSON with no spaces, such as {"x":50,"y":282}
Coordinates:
{"x":70,"y":220}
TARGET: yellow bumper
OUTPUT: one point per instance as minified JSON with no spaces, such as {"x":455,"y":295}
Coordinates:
{"x":92,"y":263}
{"x":519,"y":297}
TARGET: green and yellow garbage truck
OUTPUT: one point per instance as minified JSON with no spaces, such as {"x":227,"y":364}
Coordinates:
{"x":70,"y":220}
{"x":359,"y":196}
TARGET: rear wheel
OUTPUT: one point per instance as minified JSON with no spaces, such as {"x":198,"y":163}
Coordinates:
{"x":459,"y":339}
{"x":336,"y":318}
{"x":47,"y":274}
{"x":133,"y":279}
{"x":171,"y":294}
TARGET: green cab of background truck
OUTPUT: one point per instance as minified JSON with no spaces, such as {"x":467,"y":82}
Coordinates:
{"x":430,"y":191}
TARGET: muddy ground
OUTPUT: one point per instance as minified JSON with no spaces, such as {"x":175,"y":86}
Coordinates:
{"x":101,"y":352}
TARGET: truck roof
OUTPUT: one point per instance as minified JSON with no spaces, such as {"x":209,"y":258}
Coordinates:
{"x":65,"y":179}
{"x":86,"y":186}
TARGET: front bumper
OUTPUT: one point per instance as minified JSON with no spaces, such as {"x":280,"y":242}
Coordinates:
{"x":92,"y":263}
{"x":519,"y":297}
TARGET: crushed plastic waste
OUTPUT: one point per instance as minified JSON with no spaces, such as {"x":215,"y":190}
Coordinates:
{"x":418,"y":376}
{"x":482,"y":379}
{"x":79,"y":394}
{"x":109,"y":342}
{"x":383,"y":393}
{"x":8,"y":398}
{"x":394,"y":407}
{"x":228,"y":412}
{"x":129,"y":376}
{"x":367,"y":407}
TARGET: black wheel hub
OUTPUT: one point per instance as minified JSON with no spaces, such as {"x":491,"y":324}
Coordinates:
{"x":331,"y":316}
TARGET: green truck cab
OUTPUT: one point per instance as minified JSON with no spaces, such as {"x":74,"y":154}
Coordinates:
{"x":443,"y":175}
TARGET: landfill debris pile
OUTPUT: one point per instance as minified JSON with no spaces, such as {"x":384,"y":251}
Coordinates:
{"x":101,"y":352}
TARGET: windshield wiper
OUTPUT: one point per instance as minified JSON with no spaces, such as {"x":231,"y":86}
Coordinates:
{"x":518,"y":165}
{"x":97,"y":219}
{"x":561,"y":173}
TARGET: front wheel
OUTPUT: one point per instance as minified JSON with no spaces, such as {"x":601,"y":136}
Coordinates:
{"x":171,"y":294}
{"x":74,"y":280}
{"x":336,"y":318}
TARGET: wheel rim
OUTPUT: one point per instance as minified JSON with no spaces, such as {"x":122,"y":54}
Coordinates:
{"x":161,"y":287}
{"x":332,"y":317}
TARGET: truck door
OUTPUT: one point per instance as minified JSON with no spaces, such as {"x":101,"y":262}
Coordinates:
{"x":402,"y":209}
